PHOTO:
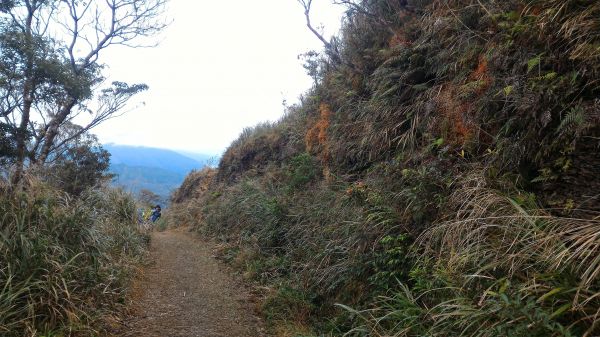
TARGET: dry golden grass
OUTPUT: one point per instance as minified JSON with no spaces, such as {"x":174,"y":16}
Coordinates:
{"x":464,"y":121}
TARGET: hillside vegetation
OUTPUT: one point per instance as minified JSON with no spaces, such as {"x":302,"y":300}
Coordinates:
{"x":65,"y":261}
{"x":441,"y":178}
{"x":69,"y":244}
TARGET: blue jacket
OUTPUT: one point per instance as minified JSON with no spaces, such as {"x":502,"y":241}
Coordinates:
{"x":155,"y":214}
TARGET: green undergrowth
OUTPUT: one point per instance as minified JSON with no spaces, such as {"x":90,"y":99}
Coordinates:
{"x":65,"y":262}
{"x":440,"y":179}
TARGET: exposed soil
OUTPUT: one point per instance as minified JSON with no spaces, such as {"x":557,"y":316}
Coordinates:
{"x":186,"y":293}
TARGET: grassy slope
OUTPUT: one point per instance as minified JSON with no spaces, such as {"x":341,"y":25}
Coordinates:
{"x":65,"y":262}
{"x":441,"y":179}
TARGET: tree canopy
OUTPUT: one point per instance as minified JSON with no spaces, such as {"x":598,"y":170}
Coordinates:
{"x":51,"y":70}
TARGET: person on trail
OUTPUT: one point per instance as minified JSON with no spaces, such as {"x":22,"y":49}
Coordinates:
{"x":155,"y":213}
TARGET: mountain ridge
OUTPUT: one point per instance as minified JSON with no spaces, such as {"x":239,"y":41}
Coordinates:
{"x":155,"y":169}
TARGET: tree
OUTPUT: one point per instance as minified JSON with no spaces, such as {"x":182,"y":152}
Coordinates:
{"x":80,"y":165}
{"x":313,"y":65}
{"x":7,"y":146}
{"x":50,"y":69}
{"x":148,"y":198}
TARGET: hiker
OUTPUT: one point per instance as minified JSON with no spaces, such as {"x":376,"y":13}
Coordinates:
{"x":155,"y":213}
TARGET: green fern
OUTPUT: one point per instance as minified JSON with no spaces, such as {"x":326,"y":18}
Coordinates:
{"x":574,"y":122}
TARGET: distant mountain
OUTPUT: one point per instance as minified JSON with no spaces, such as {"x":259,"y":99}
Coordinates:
{"x":208,"y":159}
{"x":136,"y":178}
{"x":158,"y":170}
{"x":152,"y":157}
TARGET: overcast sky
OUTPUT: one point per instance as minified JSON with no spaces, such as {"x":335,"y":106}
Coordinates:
{"x":221,"y":66}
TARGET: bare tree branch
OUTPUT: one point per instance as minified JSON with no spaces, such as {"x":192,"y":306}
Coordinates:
{"x":111,"y":104}
{"x":330,"y":48}
{"x":55,"y":76}
{"x":307,"y":4}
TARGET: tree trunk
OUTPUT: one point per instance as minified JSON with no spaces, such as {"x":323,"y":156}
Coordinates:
{"x":28,"y":91}
{"x":21,"y":134}
{"x":53,"y":127}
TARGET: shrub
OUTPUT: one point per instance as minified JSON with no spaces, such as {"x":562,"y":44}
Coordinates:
{"x":302,"y":170}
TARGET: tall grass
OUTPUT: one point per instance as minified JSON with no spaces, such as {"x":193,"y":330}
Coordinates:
{"x":433,"y":179}
{"x":501,"y":267}
{"x":64,"y":262}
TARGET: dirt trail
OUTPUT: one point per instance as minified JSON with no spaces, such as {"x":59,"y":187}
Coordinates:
{"x":186,"y":293}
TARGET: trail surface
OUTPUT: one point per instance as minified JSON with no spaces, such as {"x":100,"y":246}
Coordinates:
{"x":186,"y":293}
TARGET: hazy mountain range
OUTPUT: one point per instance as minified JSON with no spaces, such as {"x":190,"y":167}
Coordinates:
{"x":158,"y":170}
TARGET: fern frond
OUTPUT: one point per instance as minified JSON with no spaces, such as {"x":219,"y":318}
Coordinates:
{"x":573,"y":122}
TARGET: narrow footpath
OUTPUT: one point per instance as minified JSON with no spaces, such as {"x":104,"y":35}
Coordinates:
{"x":186,"y":293}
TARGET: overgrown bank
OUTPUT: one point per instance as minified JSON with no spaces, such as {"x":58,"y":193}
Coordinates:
{"x":67,"y":244}
{"x":440,"y":179}
{"x":65,"y":261}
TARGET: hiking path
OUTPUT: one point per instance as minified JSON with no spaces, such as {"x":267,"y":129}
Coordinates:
{"x":186,"y":292}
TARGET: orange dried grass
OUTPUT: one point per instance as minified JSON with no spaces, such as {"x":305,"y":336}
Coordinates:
{"x":481,"y":73}
{"x":458,"y":129}
{"x":316,"y":137}
{"x":399,"y":39}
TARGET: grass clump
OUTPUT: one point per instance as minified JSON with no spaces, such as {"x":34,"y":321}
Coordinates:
{"x":501,"y":267}
{"x":65,"y":261}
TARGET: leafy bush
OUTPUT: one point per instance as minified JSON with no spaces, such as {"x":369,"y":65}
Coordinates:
{"x":302,"y":170}
{"x":79,"y":167}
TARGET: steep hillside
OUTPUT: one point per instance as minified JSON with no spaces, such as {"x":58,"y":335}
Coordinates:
{"x":442,"y":178}
{"x":157,"y":170}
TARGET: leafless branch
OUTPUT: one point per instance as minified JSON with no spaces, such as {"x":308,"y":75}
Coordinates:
{"x":77,"y":31}
{"x":306,"y":4}
{"x":110,"y":105}
{"x":330,"y":48}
